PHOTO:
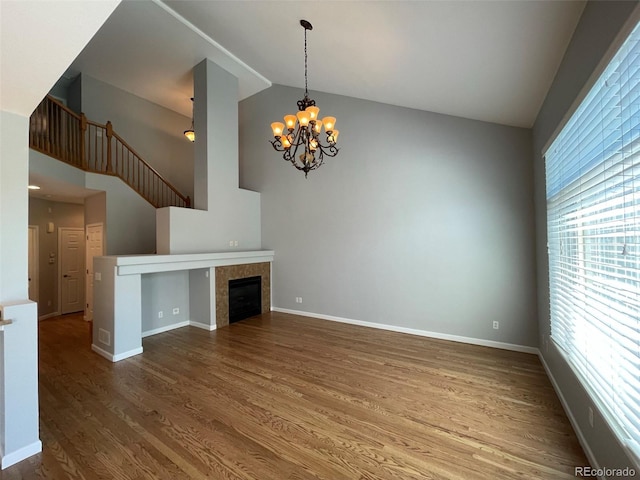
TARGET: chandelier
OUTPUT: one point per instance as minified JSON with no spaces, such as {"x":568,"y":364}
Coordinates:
{"x":301,"y":141}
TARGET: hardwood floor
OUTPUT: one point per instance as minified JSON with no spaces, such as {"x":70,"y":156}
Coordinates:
{"x":286,"y":397}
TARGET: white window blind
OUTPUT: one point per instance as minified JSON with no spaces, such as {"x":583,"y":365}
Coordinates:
{"x":593,"y":222}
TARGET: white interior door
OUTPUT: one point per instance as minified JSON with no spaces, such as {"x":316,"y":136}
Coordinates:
{"x":34,"y":280}
{"x":94,"y":249}
{"x":71,"y":257}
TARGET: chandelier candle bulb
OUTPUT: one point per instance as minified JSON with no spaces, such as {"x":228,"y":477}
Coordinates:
{"x":290,"y":121}
{"x":303,"y":118}
{"x":329,"y":123}
{"x":313,"y":112}
{"x":301,"y":145}
{"x":277,"y":128}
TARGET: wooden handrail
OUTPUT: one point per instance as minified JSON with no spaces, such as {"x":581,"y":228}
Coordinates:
{"x":5,"y":322}
{"x":61,"y":133}
{"x":62,"y":106}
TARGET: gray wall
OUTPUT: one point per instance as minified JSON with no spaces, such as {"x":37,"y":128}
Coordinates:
{"x":599,"y":25}
{"x":153,"y":131}
{"x":95,"y":209}
{"x":130,"y":220}
{"x":130,"y":226}
{"x":422,"y":221}
{"x":62,"y":215}
{"x":162,"y":292}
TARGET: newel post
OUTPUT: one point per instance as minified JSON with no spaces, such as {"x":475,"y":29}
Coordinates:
{"x":109,"y":135}
{"x":83,"y":135}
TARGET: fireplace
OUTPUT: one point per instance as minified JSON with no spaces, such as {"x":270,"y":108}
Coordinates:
{"x":225,"y":274}
{"x":245,"y":298}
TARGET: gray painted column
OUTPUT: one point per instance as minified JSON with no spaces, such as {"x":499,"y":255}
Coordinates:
{"x":216,"y":127}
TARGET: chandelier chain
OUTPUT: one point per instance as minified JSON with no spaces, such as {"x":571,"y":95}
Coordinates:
{"x":306,"y":88}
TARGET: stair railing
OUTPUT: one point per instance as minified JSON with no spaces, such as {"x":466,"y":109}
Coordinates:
{"x":59,"y":132}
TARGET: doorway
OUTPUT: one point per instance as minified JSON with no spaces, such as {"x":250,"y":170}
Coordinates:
{"x":94,"y":248}
{"x":71,"y":255}
{"x":34,"y":251}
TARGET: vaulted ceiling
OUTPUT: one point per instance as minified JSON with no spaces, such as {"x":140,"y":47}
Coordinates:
{"x":486,"y":60}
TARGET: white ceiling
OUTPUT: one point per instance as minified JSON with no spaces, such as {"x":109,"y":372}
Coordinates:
{"x":485,"y":60}
{"x":37,"y":42}
{"x":58,"y":191}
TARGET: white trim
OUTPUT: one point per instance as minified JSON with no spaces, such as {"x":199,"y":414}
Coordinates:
{"x":36,"y":260}
{"x":115,"y":358}
{"x":413,"y":331}
{"x":21,"y":454}
{"x":166,"y":328}
{"x":203,"y":326}
{"x":48,"y":315}
{"x":572,"y":419}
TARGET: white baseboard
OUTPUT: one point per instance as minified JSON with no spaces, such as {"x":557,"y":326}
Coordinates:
{"x":48,"y":315}
{"x":413,"y":331}
{"x":115,"y":358}
{"x":203,"y":326}
{"x":21,"y":454}
{"x":572,"y":419}
{"x":166,"y":328}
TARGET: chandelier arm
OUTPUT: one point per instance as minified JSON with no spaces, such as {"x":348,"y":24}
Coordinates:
{"x":277,"y":145}
{"x":329,"y":150}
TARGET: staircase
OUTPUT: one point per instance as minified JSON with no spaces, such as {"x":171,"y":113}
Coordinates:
{"x":61,"y":133}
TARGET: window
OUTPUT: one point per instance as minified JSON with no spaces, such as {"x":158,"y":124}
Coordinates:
{"x":593,"y":224}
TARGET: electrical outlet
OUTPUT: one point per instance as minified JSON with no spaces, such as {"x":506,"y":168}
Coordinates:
{"x":496,"y":325}
{"x":298,"y":299}
{"x":160,"y":314}
{"x":231,"y":243}
{"x":176,"y":311}
{"x":235,"y":243}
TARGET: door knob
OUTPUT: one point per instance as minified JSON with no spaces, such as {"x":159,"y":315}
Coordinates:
{"x":65,"y":275}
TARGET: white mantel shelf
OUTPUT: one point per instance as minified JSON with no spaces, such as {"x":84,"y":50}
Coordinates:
{"x":141,"y":264}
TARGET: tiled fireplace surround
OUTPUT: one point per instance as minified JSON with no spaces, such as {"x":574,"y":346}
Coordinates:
{"x":234,"y":272}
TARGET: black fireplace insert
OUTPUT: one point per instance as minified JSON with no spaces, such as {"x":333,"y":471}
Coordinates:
{"x":245,"y":298}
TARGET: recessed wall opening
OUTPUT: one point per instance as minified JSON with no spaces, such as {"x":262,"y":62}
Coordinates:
{"x":245,"y":298}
